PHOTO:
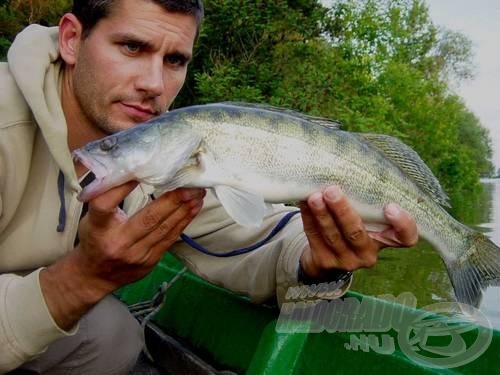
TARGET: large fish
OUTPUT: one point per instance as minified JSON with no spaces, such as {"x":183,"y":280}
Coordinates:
{"x":251,"y":155}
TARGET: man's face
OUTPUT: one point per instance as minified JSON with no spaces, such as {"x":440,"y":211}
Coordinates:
{"x":132,"y":65}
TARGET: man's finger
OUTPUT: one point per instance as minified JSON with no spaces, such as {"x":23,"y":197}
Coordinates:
{"x":165,"y":231}
{"x":404,"y":226}
{"x":148,"y":219}
{"x":310,"y":228}
{"x":347,"y":220}
{"x":104,"y":205}
{"x":402,"y":231}
{"x":326,"y":224}
{"x":176,"y":231}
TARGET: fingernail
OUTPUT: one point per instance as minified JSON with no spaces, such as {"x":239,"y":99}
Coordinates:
{"x":333,"y":193}
{"x":316,"y":200}
{"x":194,"y":210}
{"x":392,"y":210}
{"x":189,"y":194}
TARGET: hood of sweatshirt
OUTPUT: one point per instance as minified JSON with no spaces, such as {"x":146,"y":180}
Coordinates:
{"x":35,"y":65}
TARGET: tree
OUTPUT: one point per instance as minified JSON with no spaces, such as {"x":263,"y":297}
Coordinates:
{"x":17,"y":14}
{"x":375,"y":65}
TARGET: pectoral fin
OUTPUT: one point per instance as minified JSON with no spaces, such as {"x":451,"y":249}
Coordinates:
{"x":246,"y":208}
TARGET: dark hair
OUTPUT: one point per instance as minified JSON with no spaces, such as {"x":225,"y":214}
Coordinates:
{"x":90,"y":12}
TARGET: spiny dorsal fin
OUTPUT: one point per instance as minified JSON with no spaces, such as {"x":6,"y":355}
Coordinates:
{"x":315,"y":119}
{"x":411,"y":163}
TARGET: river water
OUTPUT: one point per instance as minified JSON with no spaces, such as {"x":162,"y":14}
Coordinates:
{"x":419,"y":270}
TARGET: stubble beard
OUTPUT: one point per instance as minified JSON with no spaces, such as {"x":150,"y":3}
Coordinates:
{"x":95,"y":104}
{"x":87,"y":95}
{"x":90,"y":98}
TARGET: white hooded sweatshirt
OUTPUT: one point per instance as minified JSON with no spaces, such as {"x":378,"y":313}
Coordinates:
{"x":38,"y":222}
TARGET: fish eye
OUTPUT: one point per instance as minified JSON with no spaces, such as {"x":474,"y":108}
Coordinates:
{"x":108,"y":143}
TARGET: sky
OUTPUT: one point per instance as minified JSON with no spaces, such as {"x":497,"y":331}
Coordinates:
{"x":479,"y":20}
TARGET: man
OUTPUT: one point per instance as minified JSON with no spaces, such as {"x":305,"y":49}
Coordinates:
{"x":110,"y":65}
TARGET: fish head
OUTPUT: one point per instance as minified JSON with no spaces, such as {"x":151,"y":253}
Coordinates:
{"x":143,"y":153}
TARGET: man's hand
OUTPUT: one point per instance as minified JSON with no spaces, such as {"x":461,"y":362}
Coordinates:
{"x":114,"y":249}
{"x":337,"y":237}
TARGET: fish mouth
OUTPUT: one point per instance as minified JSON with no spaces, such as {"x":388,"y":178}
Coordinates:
{"x":93,"y":164}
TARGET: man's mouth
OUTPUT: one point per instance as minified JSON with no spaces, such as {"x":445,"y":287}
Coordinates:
{"x":139,"y":112}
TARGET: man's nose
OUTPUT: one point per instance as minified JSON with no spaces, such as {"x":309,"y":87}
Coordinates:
{"x":151,"y":79}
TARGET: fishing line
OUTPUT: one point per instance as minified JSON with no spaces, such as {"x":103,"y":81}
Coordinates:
{"x":196,"y":246}
{"x":281,"y":224}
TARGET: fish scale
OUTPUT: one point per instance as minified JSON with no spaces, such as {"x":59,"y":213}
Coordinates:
{"x":251,"y":154}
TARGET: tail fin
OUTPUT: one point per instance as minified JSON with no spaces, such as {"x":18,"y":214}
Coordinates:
{"x":475,"y":270}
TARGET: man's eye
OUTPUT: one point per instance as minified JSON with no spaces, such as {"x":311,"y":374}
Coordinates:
{"x":175,"y":60}
{"x":132,"y":47}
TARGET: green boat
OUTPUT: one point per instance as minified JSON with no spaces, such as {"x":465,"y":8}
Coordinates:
{"x":204,"y":329}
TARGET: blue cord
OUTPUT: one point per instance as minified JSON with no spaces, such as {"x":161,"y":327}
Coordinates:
{"x":281,"y":224}
{"x":62,"y":209}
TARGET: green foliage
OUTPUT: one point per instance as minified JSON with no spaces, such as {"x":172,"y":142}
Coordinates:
{"x":17,"y":14}
{"x":374,"y":65}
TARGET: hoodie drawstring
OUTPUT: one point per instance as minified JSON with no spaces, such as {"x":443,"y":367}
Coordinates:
{"x":62,"y":209}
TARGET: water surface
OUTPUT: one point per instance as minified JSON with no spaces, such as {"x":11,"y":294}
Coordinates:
{"x":419,"y":270}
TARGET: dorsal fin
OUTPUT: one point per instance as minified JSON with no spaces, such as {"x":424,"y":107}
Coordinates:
{"x":315,"y":119}
{"x":411,"y":164}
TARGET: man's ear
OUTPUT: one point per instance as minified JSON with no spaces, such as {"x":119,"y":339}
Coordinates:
{"x":70,"y":37}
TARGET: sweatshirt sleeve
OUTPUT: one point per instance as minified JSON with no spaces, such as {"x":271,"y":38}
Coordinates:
{"x":26,"y":326}
{"x":260,"y":274}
